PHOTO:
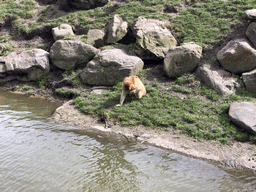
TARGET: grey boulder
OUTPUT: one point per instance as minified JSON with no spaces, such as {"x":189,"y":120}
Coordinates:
{"x":244,"y":115}
{"x":153,"y":39}
{"x":218,"y":79}
{"x":116,"y":29}
{"x":25,"y":66}
{"x":249,"y":79}
{"x":250,"y":14}
{"x":237,"y":56}
{"x":251,"y":33}
{"x":68,"y":54}
{"x":61,"y":31}
{"x":95,"y":37}
{"x":110,"y":67}
{"x":182,"y":59}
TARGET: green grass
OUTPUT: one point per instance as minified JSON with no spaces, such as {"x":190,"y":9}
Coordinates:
{"x":203,"y":21}
{"x":43,"y":81}
{"x":72,"y":77}
{"x":42,"y":46}
{"x":15,"y":88}
{"x":4,"y":38}
{"x":65,"y":93}
{"x":7,"y":50}
{"x":202,"y":115}
{"x":26,"y":87}
{"x":68,"y":37}
{"x":208,"y":21}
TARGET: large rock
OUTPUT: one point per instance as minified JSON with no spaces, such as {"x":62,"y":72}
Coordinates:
{"x":251,"y":33}
{"x":61,"y":31}
{"x":25,"y":66}
{"x":182,"y":59}
{"x":237,"y":56}
{"x":243,"y":115}
{"x":153,"y":39}
{"x":250,"y":14}
{"x":249,"y":79}
{"x":110,"y":67}
{"x":86,"y":4}
{"x":218,"y":79}
{"x":68,"y":54}
{"x":116,"y":29}
{"x":95,"y":37}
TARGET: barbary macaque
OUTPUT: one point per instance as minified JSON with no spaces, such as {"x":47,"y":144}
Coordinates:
{"x":132,"y":85}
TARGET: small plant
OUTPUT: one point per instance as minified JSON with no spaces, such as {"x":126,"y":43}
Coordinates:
{"x":141,"y":73}
{"x":236,"y":97}
{"x":84,"y":39}
{"x":29,"y":93}
{"x":44,"y":11}
{"x":224,"y":140}
{"x":68,"y":37}
{"x":191,"y":79}
{"x":54,"y":12}
{"x":26,"y":87}
{"x":177,"y":88}
{"x":78,"y":83}
{"x":42,"y":46}
{"x":242,"y":137}
{"x":32,"y":44}
{"x":6,"y":51}
{"x":15,"y":88}
{"x":180,"y":80}
{"x":4,"y":39}
{"x":131,"y":49}
{"x":156,"y":85}
{"x":190,"y":118}
{"x":252,"y":139}
{"x":66,"y":93}
{"x":211,"y":94}
{"x":43,"y":81}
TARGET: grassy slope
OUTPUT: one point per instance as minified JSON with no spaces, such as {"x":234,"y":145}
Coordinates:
{"x":186,"y":106}
{"x":205,"y":22}
{"x":202,"y":113}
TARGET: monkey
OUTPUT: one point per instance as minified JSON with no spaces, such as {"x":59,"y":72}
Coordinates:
{"x":132,"y":85}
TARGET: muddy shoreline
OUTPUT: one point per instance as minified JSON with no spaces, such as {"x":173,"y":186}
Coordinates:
{"x":241,"y":156}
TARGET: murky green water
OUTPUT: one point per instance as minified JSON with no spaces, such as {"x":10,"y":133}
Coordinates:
{"x":36,"y":155}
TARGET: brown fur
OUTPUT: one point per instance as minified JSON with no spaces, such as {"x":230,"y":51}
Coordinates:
{"x":132,"y":85}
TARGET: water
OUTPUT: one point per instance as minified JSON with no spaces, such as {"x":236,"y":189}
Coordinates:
{"x":37,"y":155}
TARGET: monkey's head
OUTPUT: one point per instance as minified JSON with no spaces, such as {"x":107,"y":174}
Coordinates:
{"x":127,"y":86}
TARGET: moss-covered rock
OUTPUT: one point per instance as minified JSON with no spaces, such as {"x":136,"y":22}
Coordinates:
{"x":153,"y":39}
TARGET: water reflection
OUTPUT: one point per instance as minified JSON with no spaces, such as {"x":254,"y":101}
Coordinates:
{"x":38,"y":106}
{"x":36,"y":155}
